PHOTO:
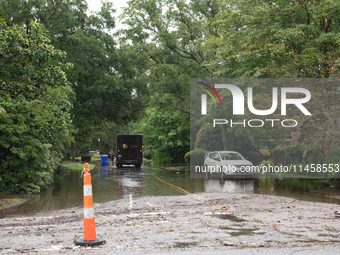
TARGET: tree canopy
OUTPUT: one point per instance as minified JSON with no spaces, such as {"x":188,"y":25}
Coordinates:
{"x":35,"y":100}
{"x":101,"y":76}
{"x":276,"y":39}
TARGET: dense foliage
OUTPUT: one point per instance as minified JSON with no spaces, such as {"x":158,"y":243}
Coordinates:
{"x":105,"y":84}
{"x":166,"y":134}
{"x":35,"y":95}
{"x":276,"y":39}
{"x":170,"y":36}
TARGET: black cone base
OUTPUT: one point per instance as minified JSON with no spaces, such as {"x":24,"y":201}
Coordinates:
{"x":83,"y":242}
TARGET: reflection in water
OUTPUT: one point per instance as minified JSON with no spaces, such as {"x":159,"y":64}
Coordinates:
{"x":229,"y":186}
{"x":110,"y":184}
{"x":229,"y":217}
{"x":105,"y":170}
{"x":129,"y":183}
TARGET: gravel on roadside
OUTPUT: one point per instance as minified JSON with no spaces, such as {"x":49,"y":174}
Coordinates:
{"x":194,"y":222}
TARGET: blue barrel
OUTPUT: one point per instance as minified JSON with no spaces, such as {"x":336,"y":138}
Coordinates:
{"x":105,"y":160}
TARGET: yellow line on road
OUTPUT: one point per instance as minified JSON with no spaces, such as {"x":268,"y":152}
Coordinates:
{"x":198,"y":197}
{"x":179,"y":189}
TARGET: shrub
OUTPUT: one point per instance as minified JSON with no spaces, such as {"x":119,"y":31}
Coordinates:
{"x":196,"y":156}
{"x":265,"y":154}
{"x":161,"y":159}
{"x":294,"y":154}
{"x":253,"y":156}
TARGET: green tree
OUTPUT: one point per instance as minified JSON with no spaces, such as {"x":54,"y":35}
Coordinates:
{"x":170,"y":37}
{"x":276,"y":39}
{"x":35,"y":95}
{"x":101,"y":76}
{"x":166,"y":134}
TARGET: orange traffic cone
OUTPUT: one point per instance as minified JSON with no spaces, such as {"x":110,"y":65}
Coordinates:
{"x":89,"y":222}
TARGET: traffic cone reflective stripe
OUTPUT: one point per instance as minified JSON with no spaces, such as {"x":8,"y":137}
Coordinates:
{"x":87,"y":190}
{"x":89,"y":220}
{"x":88,"y":213}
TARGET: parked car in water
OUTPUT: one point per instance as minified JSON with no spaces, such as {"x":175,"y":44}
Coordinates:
{"x":226,"y":162}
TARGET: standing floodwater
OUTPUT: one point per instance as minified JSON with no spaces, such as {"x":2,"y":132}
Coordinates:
{"x":117,"y":183}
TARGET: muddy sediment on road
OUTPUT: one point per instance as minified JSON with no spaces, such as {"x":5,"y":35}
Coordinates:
{"x":196,"y":222}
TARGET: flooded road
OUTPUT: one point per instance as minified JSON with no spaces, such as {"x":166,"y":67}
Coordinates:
{"x":111,"y":184}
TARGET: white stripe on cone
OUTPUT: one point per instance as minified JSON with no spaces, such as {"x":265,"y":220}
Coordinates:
{"x":88,"y":190}
{"x":88,"y":212}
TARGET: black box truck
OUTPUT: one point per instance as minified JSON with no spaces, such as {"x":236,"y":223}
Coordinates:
{"x":129,"y":150}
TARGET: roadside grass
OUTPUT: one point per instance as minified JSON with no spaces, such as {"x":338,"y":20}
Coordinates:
{"x":147,"y":161}
{"x":96,"y":157}
{"x":9,"y":202}
{"x":76,"y":166}
{"x":93,"y":158}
